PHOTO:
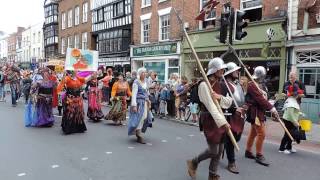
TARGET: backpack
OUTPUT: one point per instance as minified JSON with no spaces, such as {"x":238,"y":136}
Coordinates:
{"x":194,"y":96}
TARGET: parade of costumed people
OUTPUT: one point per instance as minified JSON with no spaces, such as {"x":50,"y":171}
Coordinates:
{"x":94,"y":100}
{"x":140,"y":117}
{"x":73,"y":110}
{"x":212,"y":121}
{"x":42,"y":93}
{"x":119,"y":95}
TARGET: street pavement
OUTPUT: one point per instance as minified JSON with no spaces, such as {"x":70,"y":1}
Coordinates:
{"x":105,"y":152}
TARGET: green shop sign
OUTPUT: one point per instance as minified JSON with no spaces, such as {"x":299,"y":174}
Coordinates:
{"x":164,"y":49}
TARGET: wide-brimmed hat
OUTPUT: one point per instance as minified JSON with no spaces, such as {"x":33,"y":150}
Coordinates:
{"x":231,"y":67}
{"x":215,"y":65}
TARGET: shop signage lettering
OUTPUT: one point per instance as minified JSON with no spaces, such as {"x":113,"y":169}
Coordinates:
{"x":165,"y":49}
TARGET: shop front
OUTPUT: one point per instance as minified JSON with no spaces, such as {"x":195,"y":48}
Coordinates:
{"x":118,"y":64}
{"x":254,"y":50}
{"x":163,"y":58}
{"x":306,"y":58}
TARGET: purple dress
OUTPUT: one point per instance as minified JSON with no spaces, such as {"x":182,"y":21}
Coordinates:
{"x":43,"y":108}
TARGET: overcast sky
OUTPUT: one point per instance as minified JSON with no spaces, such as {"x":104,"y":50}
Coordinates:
{"x":24,"y":13}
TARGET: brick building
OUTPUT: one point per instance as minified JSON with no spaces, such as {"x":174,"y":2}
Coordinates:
{"x":14,"y":44}
{"x":157,"y":34}
{"x":304,"y":50}
{"x":112,"y":27}
{"x":75,"y":25}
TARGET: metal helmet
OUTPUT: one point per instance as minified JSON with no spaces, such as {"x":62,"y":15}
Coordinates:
{"x":259,"y":72}
{"x":231,"y":67}
{"x":215,"y":64}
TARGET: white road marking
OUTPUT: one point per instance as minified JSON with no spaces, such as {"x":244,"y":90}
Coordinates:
{"x":191,"y":135}
{"x":130,"y":147}
{"x":84,"y":158}
{"x":149,"y":144}
{"x":54,"y":166}
{"x":21,"y":174}
{"x":108,"y":152}
{"x":164,"y":141}
{"x":178,"y":138}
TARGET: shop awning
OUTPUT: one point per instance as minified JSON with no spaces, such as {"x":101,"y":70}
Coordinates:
{"x":306,"y":4}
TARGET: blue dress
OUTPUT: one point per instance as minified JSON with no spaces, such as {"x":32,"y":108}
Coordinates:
{"x":136,"y":117}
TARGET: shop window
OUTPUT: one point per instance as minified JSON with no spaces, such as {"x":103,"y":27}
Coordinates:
{"x":253,"y":9}
{"x":311,"y":79}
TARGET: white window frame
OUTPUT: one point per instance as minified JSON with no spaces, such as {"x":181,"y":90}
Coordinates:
{"x":84,"y":40}
{"x":215,"y":8}
{"x":85,"y":12}
{"x":77,"y":41}
{"x":76,"y":15}
{"x":63,"y":21}
{"x":160,"y":1}
{"x":144,"y":3}
{"x":143,"y":18}
{"x":70,"y":45}
{"x":70,"y":17}
{"x":143,"y":30}
{"x":245,"y":9}
{"x":160,"y":27}
{"x":63,"y":46}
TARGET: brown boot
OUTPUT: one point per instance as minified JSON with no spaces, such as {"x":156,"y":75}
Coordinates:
{"x":139,"y":138}
{"x":214,"y":177}
{"x":233,"y":168}
{"x":192,"y":169}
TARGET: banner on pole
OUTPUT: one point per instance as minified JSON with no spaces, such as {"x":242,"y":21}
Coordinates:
{"x":81,"y":60}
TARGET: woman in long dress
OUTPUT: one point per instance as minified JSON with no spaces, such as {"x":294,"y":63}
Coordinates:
{"x":119,"y":94}
{"x":42,"y":92}
{"x":94,"y":107}
{"x":140,"y":117}
{"x":73,"y":111}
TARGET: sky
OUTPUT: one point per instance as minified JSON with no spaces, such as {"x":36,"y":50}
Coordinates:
{"x":14,"y":13}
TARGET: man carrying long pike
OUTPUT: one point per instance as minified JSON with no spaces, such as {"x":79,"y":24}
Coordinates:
{"x":212,"y":122}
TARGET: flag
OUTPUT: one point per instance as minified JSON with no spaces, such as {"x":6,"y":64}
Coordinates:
{"x":207,"y":8}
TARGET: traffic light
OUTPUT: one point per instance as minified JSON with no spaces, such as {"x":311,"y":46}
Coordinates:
{"x":224,"y":27}
{"x":239,"y":25}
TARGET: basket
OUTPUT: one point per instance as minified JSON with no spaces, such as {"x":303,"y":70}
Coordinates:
{"x":305,"y":124}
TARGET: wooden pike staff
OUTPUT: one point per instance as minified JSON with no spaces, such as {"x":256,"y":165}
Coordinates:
{"x":251,"y":78}
{"x":204,"y":75}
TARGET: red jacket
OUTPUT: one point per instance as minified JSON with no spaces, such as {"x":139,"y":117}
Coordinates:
{"x":257,"y":104}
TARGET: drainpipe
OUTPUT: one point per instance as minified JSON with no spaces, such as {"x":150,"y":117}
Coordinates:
{"x":290,"y":20}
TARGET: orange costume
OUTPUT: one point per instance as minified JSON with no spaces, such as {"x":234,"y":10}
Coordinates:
{"x":73,"y":112}
{"x":120,"y":92}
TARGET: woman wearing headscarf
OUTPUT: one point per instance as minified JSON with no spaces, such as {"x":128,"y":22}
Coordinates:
{"x":119,"y":95}
{"x":94,"y":107}
{"x":42,"y":91}
{"x":73,"y":112}
{"x":140,"y":116}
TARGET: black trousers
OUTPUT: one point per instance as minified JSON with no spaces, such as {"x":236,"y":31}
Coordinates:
{"x":286,"y":142}
{"x":230,"y":148}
